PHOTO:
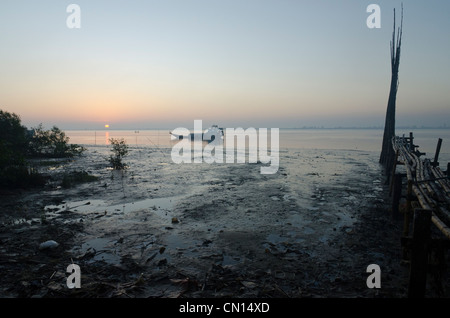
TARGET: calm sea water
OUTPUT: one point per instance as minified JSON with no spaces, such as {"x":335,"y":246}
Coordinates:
{"x":342,"y":139}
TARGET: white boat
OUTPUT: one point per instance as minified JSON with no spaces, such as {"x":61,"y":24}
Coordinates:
{"x":210,"y":134}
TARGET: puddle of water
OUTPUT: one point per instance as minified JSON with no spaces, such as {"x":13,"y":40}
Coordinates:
{"x":177,"y":244}
{"x":229,"y":260}
{"x":276,"y":238}
{"x":345,"y":219}
{"x":91,"y":206}
{"x":78,"y":206}
{"x":103,"y":249}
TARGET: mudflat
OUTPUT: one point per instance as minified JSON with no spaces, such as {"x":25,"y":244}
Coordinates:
{"x":166,"y":230}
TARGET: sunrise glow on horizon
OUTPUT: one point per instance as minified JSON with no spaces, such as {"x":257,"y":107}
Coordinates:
{"x":153,"y":64}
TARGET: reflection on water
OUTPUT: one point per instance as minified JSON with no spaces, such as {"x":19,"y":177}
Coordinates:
{"x":132,"y":137}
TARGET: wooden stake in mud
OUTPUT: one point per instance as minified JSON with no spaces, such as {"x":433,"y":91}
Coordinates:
{"x":436,"y":155}
{"x":411,"y":141}
{"x":419,"y":253}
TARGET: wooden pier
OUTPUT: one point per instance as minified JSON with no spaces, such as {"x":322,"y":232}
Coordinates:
{"x":420,"y":191}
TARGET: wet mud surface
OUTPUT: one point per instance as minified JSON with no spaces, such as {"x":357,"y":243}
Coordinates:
{"x":164,"y":230}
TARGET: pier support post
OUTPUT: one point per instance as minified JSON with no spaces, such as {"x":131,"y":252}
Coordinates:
{"x":408,"y":211}
{"x":419,"y":254}
{"x":396,"y":195}
{"x":411,"y":142}
{"x":436,"y":155}
{"x":394,"y":167}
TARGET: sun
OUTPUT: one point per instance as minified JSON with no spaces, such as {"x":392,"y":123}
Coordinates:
{"x":106,"y":126}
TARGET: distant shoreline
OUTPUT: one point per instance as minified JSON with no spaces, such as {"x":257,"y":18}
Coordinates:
{"x":298,"y":128}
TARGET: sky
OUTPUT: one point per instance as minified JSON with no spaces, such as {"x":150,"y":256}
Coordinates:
{"x":236,"y":63}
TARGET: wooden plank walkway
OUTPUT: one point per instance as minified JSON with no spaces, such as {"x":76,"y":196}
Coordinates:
{"x":427,"y":203}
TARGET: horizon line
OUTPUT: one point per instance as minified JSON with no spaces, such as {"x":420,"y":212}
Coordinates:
{"x":281,"y":128}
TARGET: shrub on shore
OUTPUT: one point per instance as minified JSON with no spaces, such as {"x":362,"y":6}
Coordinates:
{"x":17,"y":144}
{"x":119,"y":150}
{"x":52,"y":143}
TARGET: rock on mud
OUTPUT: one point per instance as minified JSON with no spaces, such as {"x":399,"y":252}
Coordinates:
{"x":48,"y":245}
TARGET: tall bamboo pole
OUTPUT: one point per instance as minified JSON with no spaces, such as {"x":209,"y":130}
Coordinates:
{"x":387,"y":152}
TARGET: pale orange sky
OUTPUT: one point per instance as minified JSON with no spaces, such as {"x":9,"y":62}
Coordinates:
{"x":151,"y":64}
